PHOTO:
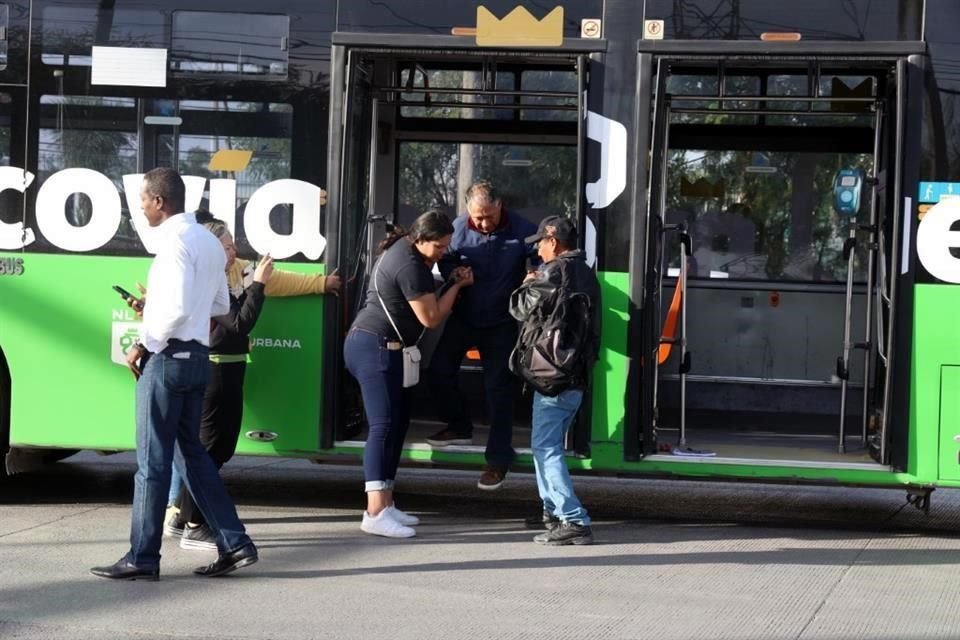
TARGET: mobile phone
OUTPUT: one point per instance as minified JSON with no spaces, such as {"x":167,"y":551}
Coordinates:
{"x":126,"y":295}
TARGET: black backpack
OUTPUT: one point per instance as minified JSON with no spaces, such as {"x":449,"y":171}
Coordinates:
{"x":554,"y":347}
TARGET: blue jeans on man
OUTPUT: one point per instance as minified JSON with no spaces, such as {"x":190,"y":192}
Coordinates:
{"x":169,"y":402}
{"x":495,"y":344}
{"x":552,"y":417}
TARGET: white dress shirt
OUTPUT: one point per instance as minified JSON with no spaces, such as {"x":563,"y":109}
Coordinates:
{"x":187,"y":284}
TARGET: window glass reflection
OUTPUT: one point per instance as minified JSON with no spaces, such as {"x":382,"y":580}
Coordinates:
{"x":89,"y":132}
{"x":535,"y":180}
{"x":761,"y":215}
{"x":68,"y":31}
{"x":230,"y":43}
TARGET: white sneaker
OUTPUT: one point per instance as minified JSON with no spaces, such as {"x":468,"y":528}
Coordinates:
{"x":384,"y":525}
{"x":403,"y":517}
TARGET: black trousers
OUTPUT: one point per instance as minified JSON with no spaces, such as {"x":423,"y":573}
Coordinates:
{"x":219,"y":424}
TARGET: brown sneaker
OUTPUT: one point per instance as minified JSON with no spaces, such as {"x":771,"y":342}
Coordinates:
{"x":492,"y":478}
{"x":448,"y":437}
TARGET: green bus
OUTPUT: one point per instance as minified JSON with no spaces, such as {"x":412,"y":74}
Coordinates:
{"x":765,"y":190}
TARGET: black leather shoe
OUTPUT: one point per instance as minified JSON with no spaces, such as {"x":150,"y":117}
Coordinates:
{"x":123,"y":569}
{"x":242,"y":557}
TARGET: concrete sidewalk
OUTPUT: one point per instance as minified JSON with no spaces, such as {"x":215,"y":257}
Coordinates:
{"x":673,"y":560}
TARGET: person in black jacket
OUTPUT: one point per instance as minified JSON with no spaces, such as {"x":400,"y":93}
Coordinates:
{"x":565,"y":518}
{"x":223,"y":399}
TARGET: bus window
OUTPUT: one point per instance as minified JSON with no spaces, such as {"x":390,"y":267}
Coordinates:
{"x":760,"y":215}
{"x":436,"y":93}
{"x":10,"y":209}
{"x":941,"y":124}
{"x":814,"y":19}
{"x":535,"y":180}
{"x":438,"y":16}
{"x":5,"y":121}
{"x":95,"y":133}
{"x":209,"y":126}
{"x":230,"y":43}
{"x":4,"y":34}
{"x":547,"y":82}
{"x":68,"y":31}
{"x":443,"y":101}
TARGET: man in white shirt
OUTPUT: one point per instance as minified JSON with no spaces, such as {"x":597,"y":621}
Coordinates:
{"x":187,"y":285}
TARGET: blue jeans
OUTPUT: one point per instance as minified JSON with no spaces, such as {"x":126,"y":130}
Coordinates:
{"x":495,"y":345}
{"x":551,"y":419}
{"x":169,"y":401}
{"x":176,"y":483}
{"x":387,"y":404}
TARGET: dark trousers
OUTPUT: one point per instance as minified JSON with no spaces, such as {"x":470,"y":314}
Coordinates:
{"x":387,"y":404}
{"x":219,"y":424}
{"x":495,"y":345}
{"x":169,"y":403}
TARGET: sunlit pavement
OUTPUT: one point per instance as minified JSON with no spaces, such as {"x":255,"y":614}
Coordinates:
{"x":672,"y":560}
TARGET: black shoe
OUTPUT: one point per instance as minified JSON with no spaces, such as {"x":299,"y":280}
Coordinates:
{"x":173,"y":527}
{"x":566,"y":533}
{"x":123,"y":569}
{"x":242,"y":557}
{"x":544,"y":521}
{"x":198,"y":538}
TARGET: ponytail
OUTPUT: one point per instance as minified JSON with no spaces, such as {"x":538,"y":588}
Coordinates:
{"x":394,"y":233}
{"x":431,"y":225}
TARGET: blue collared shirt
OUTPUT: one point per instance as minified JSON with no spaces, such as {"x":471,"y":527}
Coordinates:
{"x":499,"y":262}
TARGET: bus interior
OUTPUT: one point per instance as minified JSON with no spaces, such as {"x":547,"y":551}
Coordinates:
{"x":421,"y":125}
{"x":772,"y":294}
{"x":779,"y":347}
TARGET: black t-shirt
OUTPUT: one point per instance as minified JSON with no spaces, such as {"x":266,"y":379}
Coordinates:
{"x":401,"y":275}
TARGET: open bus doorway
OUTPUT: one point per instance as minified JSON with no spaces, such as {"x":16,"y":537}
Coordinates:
{"x":419,"y":126}
{"x":785,"y":323}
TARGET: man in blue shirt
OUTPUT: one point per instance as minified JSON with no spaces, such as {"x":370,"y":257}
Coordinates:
{"x":490,"y":240}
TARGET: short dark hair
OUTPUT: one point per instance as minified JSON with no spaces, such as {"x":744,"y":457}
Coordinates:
{"x":167,"y":184}
{"x":484,"y":190}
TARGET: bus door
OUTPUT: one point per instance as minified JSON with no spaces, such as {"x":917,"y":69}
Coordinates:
{"x":775,"y":208}
{"x":14,"y":23}
{"x":414,"y":121}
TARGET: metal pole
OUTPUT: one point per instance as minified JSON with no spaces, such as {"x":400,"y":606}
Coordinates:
{"x":894,"y":271}
{"x":843,"y":370}
{"x":663,"y":237}
{"x":684,"y":239}
{"x":751,"y":112}
{"x":372,"y":182}
{"x":871,"y":262}
{"x":764,"y":98}
{"x":473,"y":91}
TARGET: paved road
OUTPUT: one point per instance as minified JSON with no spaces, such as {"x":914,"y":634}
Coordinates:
{"x":673,"y":560}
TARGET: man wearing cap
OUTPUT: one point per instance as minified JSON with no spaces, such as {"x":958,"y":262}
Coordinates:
{"x":565,"y":519}
{"x":490,"y":240}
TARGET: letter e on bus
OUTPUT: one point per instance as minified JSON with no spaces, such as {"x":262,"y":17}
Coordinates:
{"x":935,"y":239}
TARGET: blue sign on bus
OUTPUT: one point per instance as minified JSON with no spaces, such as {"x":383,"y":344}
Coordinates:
{"x":933,"y":191}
